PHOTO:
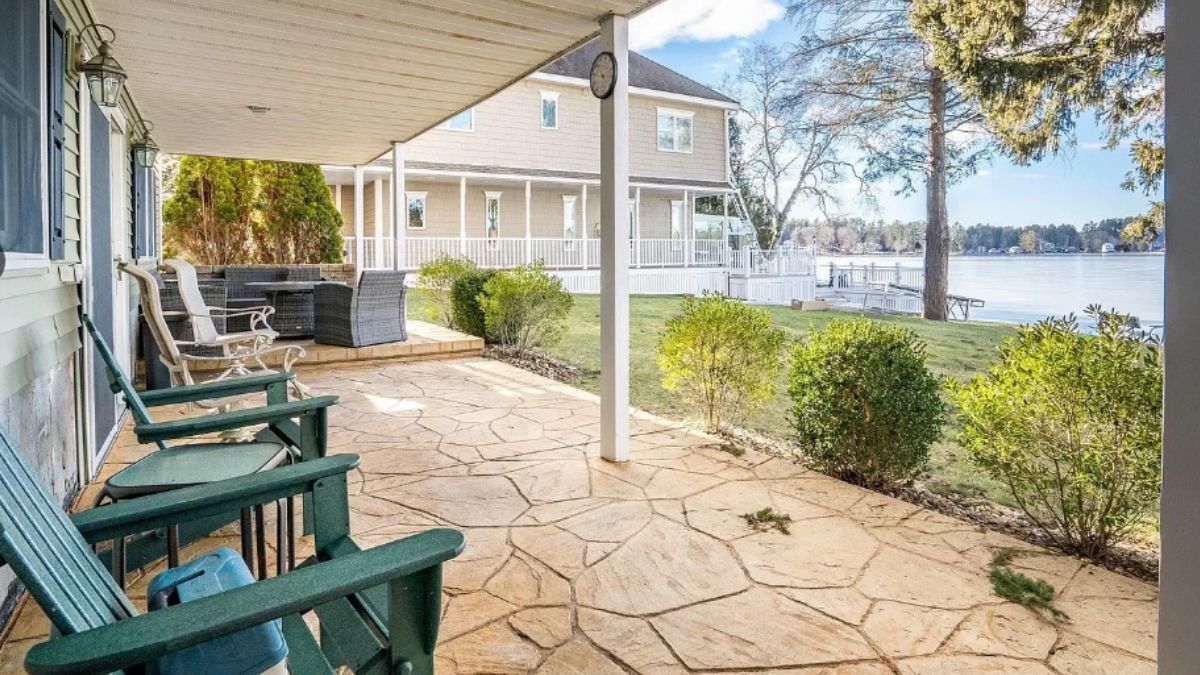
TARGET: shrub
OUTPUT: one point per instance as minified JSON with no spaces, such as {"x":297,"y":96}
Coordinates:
{"x":721,"y":355}
{"x":1071,"y":424}
{"x":465,"y":311}
{"x":436,"y":279}
{"x":864,"y":405}
{"x":525,"y":308}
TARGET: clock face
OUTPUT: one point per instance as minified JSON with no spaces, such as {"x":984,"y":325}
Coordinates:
{"x":604,"y":75}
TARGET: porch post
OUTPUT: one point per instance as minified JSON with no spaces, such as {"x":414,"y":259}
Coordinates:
{"x":724,"y":227}
{"x":462,"y":216}
{"x":359,"y":219}
{"x":399,"y":208}
{"x":583,"y":220}
{"x":687,"y":237}
{"x":1179,"y":594}
{"x":614,"y":248}
{"x":378,"y":194}
{"x":528,"y":222}
{"x":637,"y":226}
{"x":337,"y":197}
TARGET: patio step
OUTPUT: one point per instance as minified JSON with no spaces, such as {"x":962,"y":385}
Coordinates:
{"x":426,"y":342}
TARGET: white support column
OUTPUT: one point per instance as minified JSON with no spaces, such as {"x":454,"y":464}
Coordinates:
{"x":399,"y":209}
{"x":337,"y":197}
{"x":359,"y":219}
{"x":614,"y":248}
{"x":462,"y":216}
{"x":1179,"y":594}
{"x":528,"y":222}
{"x":583,"y":220}
{"x":687,"y":237}
{"x":377,"y":259}
{"x":637,"y":226}
{"x":724,"y":229}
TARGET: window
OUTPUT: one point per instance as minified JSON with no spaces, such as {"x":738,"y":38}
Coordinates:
{"x":491,"y":217}
{"x":674,"y":130}
{"x":570,"y":222}
{"x":21,"y":228}
{"x":549,"y":109}
{"x":416,"y":210}
{"x":463,"y":121}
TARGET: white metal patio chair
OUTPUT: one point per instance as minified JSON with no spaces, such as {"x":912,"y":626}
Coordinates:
{"x":242,"y":352}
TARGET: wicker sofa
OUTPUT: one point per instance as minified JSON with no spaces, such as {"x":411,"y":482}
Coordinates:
{"x":371,"y":314}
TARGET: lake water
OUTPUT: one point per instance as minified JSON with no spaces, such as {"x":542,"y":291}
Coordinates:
{"x":1026,"y":288}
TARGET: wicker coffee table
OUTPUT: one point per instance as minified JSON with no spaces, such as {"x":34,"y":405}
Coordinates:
{"x":293,"y":303}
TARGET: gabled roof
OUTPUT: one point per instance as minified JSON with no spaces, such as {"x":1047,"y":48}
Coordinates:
{"x":643,"y":72}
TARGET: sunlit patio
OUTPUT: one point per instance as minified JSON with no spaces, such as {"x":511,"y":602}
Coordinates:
{"x":578,"y":565}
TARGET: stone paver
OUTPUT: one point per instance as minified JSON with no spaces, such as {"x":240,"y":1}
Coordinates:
{"x":576,"y":565}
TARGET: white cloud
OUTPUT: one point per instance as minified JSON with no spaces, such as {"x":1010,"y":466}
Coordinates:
{"x":701,"y":20}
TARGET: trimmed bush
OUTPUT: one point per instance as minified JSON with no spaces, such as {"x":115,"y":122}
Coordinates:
{"x":436,"y":279}
{"x":525,"y":308}
{"x":865,"y":407}
{"x":1072,"y":425}
{"x":465,"y":311}
{"x":721,"y":355}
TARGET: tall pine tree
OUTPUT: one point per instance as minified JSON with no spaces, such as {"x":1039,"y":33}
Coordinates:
{"x":1036,"y":66}
{"x":914,"y":124}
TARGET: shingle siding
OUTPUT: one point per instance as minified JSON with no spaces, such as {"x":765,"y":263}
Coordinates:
{"x":508,"y":133}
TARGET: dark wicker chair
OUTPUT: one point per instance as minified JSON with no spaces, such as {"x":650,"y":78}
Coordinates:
{"x":371,"y":314}
{"x":240,"y":296}
{"x":304,"y":273}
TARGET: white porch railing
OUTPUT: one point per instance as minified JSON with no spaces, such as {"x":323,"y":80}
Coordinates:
{"x":776,"y":262}
{"x":377,"y":253}
{"x":851,"y":276}
{"x":584,"y":254}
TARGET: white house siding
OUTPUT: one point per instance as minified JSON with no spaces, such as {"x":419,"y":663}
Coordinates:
{"x":508,"y":133}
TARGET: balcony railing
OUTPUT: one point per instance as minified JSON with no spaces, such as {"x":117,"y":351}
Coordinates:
{"x":584,"y":254}
{"x":851,"y":276}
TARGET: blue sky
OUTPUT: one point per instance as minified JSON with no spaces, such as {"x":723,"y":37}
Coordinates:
{"x":700,"y":39}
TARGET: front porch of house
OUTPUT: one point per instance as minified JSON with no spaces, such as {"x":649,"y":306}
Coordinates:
{"x":578,"y":565}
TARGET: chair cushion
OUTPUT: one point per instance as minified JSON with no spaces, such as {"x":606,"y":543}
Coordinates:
{"x":185,"y":465}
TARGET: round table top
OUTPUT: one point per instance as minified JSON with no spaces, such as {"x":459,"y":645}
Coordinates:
{"x":285,"y":286}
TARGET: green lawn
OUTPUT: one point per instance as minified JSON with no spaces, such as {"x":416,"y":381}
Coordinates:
{"x":958,"y":350}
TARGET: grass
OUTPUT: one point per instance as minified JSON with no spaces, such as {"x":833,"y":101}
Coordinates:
{"x":959,"y":350}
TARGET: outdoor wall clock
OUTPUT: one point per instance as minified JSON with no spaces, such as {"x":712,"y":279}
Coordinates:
{"x":604,"y":75}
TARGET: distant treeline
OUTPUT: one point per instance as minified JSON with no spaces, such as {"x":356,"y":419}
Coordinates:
{"x":856,"y":235}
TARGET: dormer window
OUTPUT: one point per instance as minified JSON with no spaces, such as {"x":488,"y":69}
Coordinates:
{"x":463,"y":121}
{"x":675,"y":130}
{"x":549,"y":109}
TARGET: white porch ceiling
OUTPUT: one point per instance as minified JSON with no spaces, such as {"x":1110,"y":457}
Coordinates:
{"x":343,"y":78}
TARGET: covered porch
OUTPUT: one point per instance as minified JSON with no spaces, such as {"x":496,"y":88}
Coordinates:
{"x":500,"y":219}
{"x":578,"y":565}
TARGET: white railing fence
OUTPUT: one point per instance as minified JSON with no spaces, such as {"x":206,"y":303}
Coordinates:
{"x":775,"y":262}
{"x":377,"y":253}
{"x":851,"y":276}
{"x":584,"y":254}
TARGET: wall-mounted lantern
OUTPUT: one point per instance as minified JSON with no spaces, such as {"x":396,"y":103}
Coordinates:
{"x":105,"y":76}
{"x":145,"y":151}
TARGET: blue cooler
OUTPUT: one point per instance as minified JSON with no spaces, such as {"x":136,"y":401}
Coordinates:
{"x":256,"y":650}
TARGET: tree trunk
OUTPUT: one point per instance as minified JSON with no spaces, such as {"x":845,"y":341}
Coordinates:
{"x":937,"y":227}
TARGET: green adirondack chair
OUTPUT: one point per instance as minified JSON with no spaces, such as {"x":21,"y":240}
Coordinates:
{"x":379,"y":609}
{"x":178,"y":466}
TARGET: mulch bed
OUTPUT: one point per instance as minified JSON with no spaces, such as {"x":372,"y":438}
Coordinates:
{"x":536,"y":362}
{"x":1130,"y":559}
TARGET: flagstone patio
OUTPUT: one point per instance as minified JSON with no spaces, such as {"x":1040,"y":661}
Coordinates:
{"x":576,"y":565}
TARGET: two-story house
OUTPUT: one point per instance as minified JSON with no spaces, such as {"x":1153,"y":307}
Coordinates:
{"x":507,"y":182}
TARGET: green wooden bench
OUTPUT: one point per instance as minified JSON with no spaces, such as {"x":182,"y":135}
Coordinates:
{"x":379,"y":609}
{"x":295,"y":430}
